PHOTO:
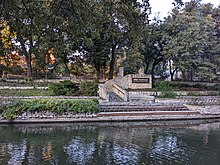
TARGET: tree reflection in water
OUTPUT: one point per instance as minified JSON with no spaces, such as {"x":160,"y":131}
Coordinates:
{"x":124,"y":143}
{"x":80,"y":151}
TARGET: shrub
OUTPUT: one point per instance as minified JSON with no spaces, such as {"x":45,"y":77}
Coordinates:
{"x":89,"y":88}
{"x":168,"y":94}
{"x":200,"y":86}
{"x":58,"y":106}
{"x":64,"y":88}
{"x":216,"y":87}
{"x":165,"y":89}
{"x":163,"y":86}
{"x":179,"y":85}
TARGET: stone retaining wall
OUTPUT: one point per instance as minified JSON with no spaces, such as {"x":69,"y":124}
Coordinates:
{"x":202,"y":100}
{"x":178,"y":93}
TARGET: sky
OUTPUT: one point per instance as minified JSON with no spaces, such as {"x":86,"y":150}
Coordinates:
{"x":164,"y":6}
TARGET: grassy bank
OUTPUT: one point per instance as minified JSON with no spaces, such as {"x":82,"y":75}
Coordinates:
{"x":56,"y":106}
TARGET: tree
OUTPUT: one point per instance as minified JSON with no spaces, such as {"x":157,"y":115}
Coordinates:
{"x":152,"y":47}
{"x":123,"y":19}
{"x":191,"y":41}
{"x":7,"y":56}
{"x":95,"y":29}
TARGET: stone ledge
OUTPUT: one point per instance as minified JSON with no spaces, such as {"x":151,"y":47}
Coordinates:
{"x":114,"y":119}
{"x":9,"y":87}
{"x":143,"y":113}
{"x":48,"y":97}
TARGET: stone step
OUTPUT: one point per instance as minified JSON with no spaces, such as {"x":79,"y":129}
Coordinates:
{"x":141,"y":108}
{"x":146,"y":113}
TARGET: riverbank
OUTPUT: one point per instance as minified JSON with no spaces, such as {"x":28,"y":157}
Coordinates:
{"x":182,"y":108}
{"x":203,"y":112}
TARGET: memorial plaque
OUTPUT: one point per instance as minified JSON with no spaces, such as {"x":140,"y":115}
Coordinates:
{"x":140,"y":80}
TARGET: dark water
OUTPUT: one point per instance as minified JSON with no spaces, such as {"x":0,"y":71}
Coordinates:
{"x":153,"y":143}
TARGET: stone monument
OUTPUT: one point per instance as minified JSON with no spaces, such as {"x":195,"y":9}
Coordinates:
{"x":131,"y":87}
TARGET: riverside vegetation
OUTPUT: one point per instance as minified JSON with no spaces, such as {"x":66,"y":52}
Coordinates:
{"x":168,"y":89}
{"x":56,"y":106}
{"x":88,"y":88}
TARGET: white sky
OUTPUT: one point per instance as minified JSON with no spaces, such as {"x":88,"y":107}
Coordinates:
{"x":164,"y":6}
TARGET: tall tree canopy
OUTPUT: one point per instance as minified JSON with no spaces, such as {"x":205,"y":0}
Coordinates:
{"x":100,"y":33}
{"x":191,"y":41}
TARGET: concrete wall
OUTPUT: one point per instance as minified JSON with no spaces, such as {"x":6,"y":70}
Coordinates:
{"x":103,"y":92}
{"x":132,"y":85}
{"x":120,"y":92}
{"x":126,"y":81}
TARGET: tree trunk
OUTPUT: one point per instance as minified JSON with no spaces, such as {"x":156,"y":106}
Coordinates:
{"x":103,"y":74}
{"x":27,"y":58}
{"x":191,"y":75}
{"x":29,"y":66}
{"x":68,"y":70}
{"x":1,"y":71}
{"x":184,"y":75}
{"x":112,"y":62}
{"x":147,"y":67}
{"x":152,"y":70}
{"x":98,"y":74}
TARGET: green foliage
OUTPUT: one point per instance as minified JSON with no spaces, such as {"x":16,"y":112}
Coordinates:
{"x":89,"y":88}
{"x":166,"y":89}
{"x":163,"y":86}
{"x":168,"y":94}
{"x":64,"y":88}
{"x":152,"y":46}
{"x":58,"y":106}
{"x":217,"y":87}
{"x":3,"y":80}
{"x":25,"y":92}
{"x":177,"y":85}
{"x":200,"y":86}
{"x":192,"y":42}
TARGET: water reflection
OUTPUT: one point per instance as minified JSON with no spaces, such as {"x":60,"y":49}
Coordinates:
{"x":128,"y":154}
{"x":79,"y":151}
{"x":150,"y":143}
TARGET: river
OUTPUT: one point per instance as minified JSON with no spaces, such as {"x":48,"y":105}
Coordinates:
{"x":134,"y":143}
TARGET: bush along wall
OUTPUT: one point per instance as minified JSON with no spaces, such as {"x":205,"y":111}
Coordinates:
{"x":68,"y":88}
{"x":166,"y":89}
{"x":89,"y":88}
{"x":56,"y":106}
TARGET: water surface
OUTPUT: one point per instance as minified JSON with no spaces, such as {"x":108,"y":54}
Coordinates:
{"x":141,"y":143}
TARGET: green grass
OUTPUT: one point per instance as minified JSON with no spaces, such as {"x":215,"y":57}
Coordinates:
{"x":25,"y":92}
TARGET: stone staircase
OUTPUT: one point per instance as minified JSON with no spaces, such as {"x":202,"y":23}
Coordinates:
{"x":140,"y":109}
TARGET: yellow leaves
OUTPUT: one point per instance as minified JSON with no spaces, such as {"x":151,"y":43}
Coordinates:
{"x":9,"y":57}
{"x":51,"y":56}
{"x":6,"y":36}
